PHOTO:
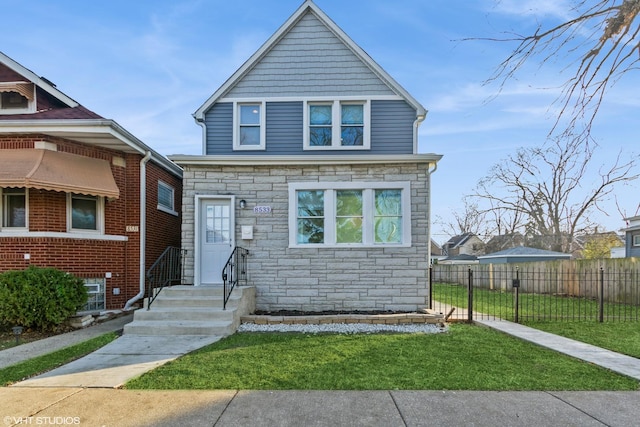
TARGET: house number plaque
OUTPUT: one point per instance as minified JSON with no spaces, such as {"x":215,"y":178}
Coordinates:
{"x":262,"y":209}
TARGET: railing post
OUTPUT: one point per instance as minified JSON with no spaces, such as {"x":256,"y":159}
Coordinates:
{"x":601,"y":297}
{"x":470,"y":296}
{"x":430,"y":281}
{"x":516,"y":287}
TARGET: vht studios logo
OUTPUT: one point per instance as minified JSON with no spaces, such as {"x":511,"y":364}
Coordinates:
{"x":42,"y":421}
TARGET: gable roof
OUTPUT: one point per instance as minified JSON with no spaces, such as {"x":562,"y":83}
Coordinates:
{"x":309,"y":7}
{"x":524,"y":251}
{"x":66,"y":118}
{"x":460,"y":240}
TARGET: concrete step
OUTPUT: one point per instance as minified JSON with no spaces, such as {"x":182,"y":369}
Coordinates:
{"x":188,"y":310}
{"x":179,"y":327}
{"x":192,"y":313}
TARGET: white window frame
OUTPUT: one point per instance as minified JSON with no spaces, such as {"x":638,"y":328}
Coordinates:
{"x":99,"y":214}
{"x":368,"y":199}
{"x":31,"y":103}
{"x":164,"y":208}
{"x":236,"y":126}
{"x":3,"y":212}
{"x":635,"y":240}
{"x":336,"y":123}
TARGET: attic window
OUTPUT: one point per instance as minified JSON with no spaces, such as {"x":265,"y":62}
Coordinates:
{"x":16,"y":98}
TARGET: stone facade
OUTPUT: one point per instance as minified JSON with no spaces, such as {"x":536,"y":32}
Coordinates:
{"x":315,"y":279}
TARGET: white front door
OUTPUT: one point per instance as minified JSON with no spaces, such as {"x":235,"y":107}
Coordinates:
{"x":216,"y":238}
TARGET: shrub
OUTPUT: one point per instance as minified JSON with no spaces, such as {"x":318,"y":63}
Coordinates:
{"x":39,"y":298}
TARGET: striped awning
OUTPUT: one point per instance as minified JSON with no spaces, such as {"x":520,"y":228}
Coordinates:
{"x":24,"y":89}
{"x":57,"y":171}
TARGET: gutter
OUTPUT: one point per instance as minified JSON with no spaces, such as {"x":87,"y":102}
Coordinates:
{"x":143,"y":228}
{"x":429,"y":173}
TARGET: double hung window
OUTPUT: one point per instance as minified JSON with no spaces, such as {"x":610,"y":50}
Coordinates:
{"x":166,"y":198}
{"x":249,"y":128}
{"x":336,"y":125}
{"x":14,"y":207}
{"x":85,"y":213}
{"x":349,"y":214}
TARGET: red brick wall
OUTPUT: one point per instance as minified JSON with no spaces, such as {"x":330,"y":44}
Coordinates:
{"x":94,"y":258}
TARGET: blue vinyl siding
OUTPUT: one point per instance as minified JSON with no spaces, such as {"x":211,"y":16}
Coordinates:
{"x":391,"y":130}
{"x":219,"y":125}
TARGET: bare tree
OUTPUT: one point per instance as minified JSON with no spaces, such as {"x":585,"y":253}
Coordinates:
{"x":547,"y":188}
{"x":601,"y":44}
{"x":468,"y":219}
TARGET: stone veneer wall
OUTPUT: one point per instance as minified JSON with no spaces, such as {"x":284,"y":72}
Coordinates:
{"x":315,"y":279}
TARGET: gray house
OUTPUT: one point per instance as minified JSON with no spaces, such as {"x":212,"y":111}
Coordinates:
{"x":632,"y":237}
{"x":310,"y":161}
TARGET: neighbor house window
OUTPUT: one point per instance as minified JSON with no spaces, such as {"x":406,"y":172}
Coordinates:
{"x":337,"y":125}
{"x":636,"y":240}
{"x":14,"y":207}
{"x":96,"y":294}
{"x":349,"y":214}
{"x":85,"y":213}
{"x":16,"y":97}
{"x":166,"y":197}
{"x":249,"y":129}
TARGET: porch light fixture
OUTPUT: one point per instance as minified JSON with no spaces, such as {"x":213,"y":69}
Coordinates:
{"x":243,"y":204}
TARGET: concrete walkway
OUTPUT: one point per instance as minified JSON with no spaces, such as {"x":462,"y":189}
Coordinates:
{"x":620,"y":363}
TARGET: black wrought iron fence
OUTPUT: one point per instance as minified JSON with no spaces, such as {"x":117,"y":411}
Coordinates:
{"x":558,"y":291}
{"x":165,"y":271}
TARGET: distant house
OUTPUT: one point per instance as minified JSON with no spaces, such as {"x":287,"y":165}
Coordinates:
{"x":504,"y":241}
{"x":310,"y":162}
{"x":632,"y":237}
{"x":599,"y":244}
{"x":80,"y":193}
{"x":521,"y":254}
{"x":463,"y":244}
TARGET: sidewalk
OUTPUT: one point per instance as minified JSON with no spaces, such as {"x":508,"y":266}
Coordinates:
{"x":223,"y":408}
{"x":26,"y":351}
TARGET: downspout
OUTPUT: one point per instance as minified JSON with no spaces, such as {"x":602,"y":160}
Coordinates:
{"x":143,"y":228}
{"x":429,"y":173}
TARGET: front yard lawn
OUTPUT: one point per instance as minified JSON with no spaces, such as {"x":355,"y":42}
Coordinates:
{"x":466,"y":358}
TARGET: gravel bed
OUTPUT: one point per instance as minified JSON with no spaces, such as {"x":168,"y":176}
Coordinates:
{"x":343,"y":328}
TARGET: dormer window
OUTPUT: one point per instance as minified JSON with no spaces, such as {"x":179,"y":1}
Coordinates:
{"x":16,"y":98}
{"x":334,"y":125}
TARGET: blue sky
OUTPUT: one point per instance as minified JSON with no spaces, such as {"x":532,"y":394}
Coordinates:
{"x":149,"y":64}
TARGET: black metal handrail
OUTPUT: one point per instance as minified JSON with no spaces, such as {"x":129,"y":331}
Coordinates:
{"x":167,"y":270}
{"x":234,"y":271}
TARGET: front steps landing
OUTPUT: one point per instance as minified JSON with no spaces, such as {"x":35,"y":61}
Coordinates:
{"x":193,"y":310}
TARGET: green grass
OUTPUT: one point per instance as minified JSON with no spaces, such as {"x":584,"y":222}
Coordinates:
{"x":47,"y":362}
{"x":531,"y":306}
{"x":466,"y":358}
{"x":622,"y":337}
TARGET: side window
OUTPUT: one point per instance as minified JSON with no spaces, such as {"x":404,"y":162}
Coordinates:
{"x":249,"y":128}
{"x":166,"y":198}
{"x":636,"y":240}
{"x":85,"y":213}
{"x":14,"y":207}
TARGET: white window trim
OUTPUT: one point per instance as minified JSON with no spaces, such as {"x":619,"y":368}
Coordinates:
{"x":236,"y":126}
{"x":336,"y":123}
{"x":170,"y":210}
{"x":635,"y":240}
{"x":330,"y":213}
{"x":2,"y":214}
{"x":31,"y":103}
{"x":99,"y":215}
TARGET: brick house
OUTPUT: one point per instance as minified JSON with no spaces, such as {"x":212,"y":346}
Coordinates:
{"x":311,"y":162}
{"x":80,"y":193}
